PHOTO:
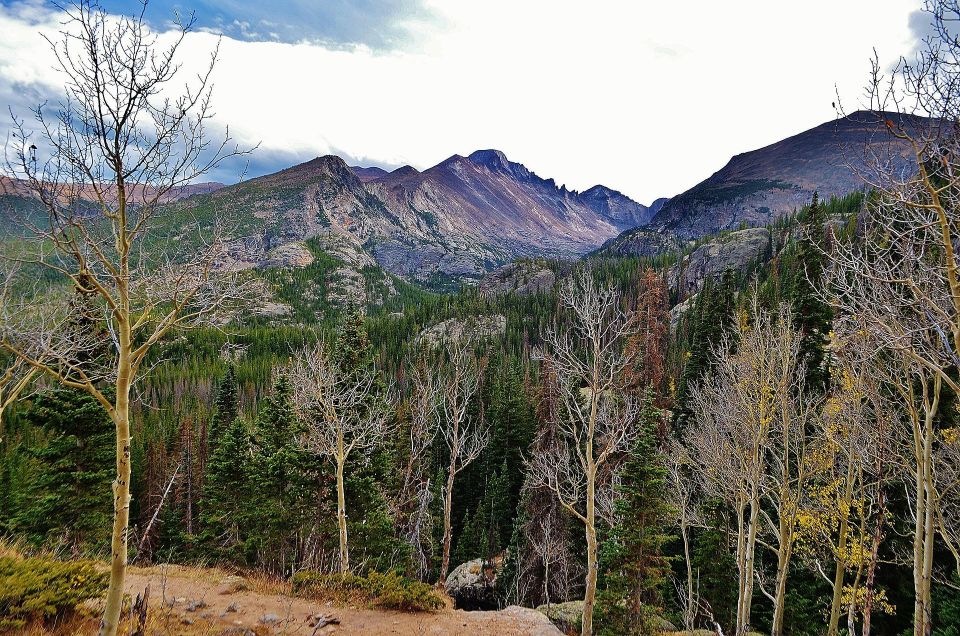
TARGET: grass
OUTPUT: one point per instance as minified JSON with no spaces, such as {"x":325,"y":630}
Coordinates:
{"x":384,"y":591}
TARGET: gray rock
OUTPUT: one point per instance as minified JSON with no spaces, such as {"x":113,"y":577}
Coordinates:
{"x":736,"y":251}
{"x":566,"y":616}
{"x":472,"y":585}
{"x":269,"y":619}
{"x":519,"y":278}
{"x":471,"y":328}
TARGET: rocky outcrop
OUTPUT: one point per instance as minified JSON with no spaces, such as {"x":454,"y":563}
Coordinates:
{"x":736,"y":251}
{"x":519,"y":278}
{"x":471,"y":328}
{"x":473,"y":585}
{"x":642,"y":241}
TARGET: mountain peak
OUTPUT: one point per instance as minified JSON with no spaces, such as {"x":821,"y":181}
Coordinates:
{"x":491,"y":158}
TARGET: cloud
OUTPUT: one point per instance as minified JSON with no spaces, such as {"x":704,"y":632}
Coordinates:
{"x":647,"y":98}
{"x":377,"y":24}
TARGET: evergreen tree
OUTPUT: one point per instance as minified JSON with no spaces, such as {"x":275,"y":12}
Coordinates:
{"x":712,"y":315}
{"x":812,"y":316}
{"x":635,"y":569}
{"x":227,"y":497}
{"x":226,"y":405}
{"x":69,"y":499}
{"x":283,"y":480}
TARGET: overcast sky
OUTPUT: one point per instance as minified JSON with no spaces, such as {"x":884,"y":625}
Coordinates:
{"x":645,"y":97}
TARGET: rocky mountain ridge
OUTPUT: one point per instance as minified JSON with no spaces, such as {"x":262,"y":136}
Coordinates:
{"x":456,"y":220}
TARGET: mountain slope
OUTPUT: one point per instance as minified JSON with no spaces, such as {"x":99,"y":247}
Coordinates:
{"x":757,"y":187}
{"x":458,"y":219}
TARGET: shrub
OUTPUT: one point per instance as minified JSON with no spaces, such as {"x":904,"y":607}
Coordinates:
{"x":39,"y":589}
{"x":386,"y":591}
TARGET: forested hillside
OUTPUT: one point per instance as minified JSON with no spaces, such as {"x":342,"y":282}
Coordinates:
{"x":747,"y":432}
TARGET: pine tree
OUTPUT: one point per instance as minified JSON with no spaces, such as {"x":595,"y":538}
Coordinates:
{"x":812,"y":316}
{"x":69,"y":498}
{"x":635,"y":567}
{"x":283,"y":480}
{"x":227,"y":497}
{"x":226,"y":406}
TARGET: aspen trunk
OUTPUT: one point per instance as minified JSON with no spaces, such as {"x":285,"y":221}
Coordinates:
{"x":783,"y":571}
{"x":342,"y":520}
{"x":121,"y":490}
{"x":447,"y":525}
{"x":689,"y":612}
{"x":590,"y":528}
{"x":746,"y":600}
{"x":838,"y":576}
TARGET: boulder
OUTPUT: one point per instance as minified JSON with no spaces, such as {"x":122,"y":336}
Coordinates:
{"x":566,"y":616}
{"x":472,"y":585}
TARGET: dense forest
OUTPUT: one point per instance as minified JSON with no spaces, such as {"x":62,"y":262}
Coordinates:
{"x":772,"y":451}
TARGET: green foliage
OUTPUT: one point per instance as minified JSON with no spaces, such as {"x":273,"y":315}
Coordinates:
{"x":386,"y":591}
{"x":226,"y":499}
{"x":283,"y":484}
{"x":40,"y":589}
{"x":68,"y":497}
{"x":634,"y":567}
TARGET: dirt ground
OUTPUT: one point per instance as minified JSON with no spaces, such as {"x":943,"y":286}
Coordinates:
{"x":196,"y":601}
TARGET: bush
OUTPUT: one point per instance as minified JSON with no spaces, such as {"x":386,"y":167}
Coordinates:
{"x":386,"y":591}
{"x":39,"y":589}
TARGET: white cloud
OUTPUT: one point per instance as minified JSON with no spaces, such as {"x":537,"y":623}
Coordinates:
{"x":646,"y":98}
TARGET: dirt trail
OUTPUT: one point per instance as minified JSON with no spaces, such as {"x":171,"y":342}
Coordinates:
{"x":195,"y":601}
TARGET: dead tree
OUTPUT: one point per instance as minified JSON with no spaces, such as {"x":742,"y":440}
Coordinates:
{"x":598,"y":421}
{"x":120,"y":144}
{"x":344,"y":414}
{"x":465,"y":437}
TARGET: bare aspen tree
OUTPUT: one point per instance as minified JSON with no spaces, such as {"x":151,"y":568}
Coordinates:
{"x":598,"y":422}
{"x":119,"y":145}
{"x":903,"y":279}
{"x":842,"y":514}
{"x":464,"y":436}
{"x":344,"y":415}
{"x":748,"y":440}
{"x":683,"y":495}
{"x":413,"y":502}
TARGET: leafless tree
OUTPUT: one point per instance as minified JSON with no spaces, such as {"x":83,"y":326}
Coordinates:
{"x":902,"y":280}
{"x":119,"y":145}
{"x":748,"y":439}
{"x":344,"y":414}
{"x":683,"y":495}
{"x":598,"y":421}
{"x":464,"y":436}
{"x":415,"y":496}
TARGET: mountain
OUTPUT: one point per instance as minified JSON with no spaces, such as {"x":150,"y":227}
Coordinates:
{"x":20,"y":188}
{"x":368,"y":174}
{"x":757,"y":187}
{"x":460,"y":218}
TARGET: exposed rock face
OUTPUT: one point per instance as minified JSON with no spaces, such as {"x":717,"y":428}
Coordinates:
{"x":760,"y":186}
{"x":641,"y":241}
{"x":458,"y":219}
{"x":472,"y":328}
{"x":472,"y":585}
{"x":288,"y":255}
{"x":520,"y":278}
{"x":736,"y":251}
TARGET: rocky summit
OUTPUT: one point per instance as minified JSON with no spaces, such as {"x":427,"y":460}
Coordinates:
{"x":457,"y":220}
